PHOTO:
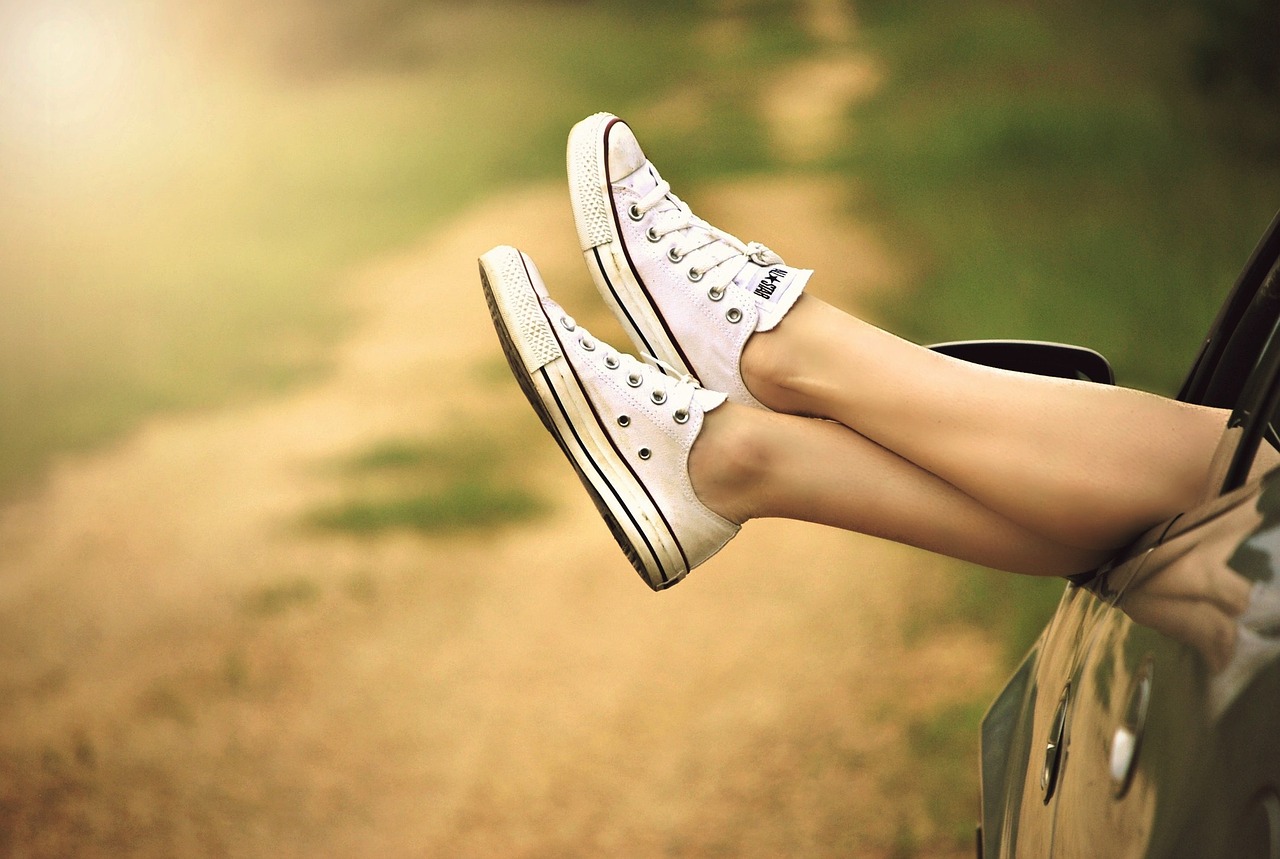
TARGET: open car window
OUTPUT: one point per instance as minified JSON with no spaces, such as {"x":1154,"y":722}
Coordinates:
{"x":1240,"y":370}
{"x":1256,"y":416}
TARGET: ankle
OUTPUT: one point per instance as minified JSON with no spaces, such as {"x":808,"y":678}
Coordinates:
{"x":731,"y":460}
{"x":782,"y":367}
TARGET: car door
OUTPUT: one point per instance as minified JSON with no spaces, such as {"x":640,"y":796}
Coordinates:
{"x":1092,"y":747}
{"x":1154,"y":753}
{"x":1021,"y":747}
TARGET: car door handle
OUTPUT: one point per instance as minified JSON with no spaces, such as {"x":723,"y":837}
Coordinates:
{"x":1055,"y":747}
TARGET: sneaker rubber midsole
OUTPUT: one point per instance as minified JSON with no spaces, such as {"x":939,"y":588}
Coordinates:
{"x":559,"y":400}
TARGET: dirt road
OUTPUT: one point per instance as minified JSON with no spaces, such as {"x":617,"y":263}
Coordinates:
{"x":189,"y":672}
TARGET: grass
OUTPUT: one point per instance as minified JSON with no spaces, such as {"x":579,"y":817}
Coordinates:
{"x":945,"y":741}
{"x":464,"y":505}
{"x":279,"y":597}
{"x":456,"y":483}
{"x":1056,"y":186}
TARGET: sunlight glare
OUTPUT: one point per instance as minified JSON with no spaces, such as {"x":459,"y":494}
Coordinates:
{"x":65,"y":63}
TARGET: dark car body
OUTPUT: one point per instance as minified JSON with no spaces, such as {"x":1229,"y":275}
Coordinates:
{"x":1135,"y":727}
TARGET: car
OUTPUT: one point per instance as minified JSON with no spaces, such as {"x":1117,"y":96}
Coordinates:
{"x":1145,"y":720}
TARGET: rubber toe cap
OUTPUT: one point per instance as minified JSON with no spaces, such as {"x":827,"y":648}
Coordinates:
{"x":625,"y":154}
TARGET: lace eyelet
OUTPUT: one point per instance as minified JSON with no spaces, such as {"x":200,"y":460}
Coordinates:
{"x":634,"y":380}
{"x":715,"y":293}
{"x":673,"y":255}
{"x":624,"y":420}
{"x":695,"y":274}
{"x":659,"y":397}
{"x":652,"y":235}
{"x":734,"y":315}
{"x":644,"y":453}
{"x":681,"y":416}
{"x":611,"y":361}
{"x":587,"y":344}
{"x":567,"y":323}
{"x":634,"y":213}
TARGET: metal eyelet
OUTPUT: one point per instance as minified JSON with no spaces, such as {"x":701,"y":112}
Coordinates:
{"x":659,"y":397}
{"x":624,"y":421}
{"x":611,"y":361}
{"x":634,"y":380}
{"x":715,"y":293}
{"x":634,"y":213}
{"x":674,"y":255}
{"x":681,"y":416}
{"x":645,"y":453}
{"x":587,"y":344}
{"x":695,"y":274}
{"x":734,"y":315}
{"x":652,"y":235}
{"x":567,"y":323}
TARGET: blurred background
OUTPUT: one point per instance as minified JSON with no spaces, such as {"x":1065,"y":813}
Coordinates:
{"x":285,"y":567}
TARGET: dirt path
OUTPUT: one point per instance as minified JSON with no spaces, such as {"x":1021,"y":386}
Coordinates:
{"x":518,"y":695}
{"x":187,"y":672}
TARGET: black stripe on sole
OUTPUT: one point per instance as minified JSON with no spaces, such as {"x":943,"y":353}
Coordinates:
{"x":631,"y":550}
{"x":683,"y":361}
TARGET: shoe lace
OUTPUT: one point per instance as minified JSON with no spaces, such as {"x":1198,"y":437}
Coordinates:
{"x":668,"y":385}
{"x":652,"y":370}
{"x":715,"y":250}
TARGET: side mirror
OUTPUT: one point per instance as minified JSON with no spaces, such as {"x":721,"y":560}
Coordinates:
{"x":1033,"y":356}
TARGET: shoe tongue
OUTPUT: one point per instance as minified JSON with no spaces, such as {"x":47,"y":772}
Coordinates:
{"x":642,"y":181}
{"x":774,"y":287}
{"x":708,"y":400}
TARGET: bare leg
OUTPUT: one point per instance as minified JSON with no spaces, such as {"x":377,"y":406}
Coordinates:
{"x":1083,"y":464}
{"x":748,"y":464}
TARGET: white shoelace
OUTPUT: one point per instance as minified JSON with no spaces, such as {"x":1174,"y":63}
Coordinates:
{"x":652,"y":372}
{"x":660,"y":375}
{"x":714,"y":248}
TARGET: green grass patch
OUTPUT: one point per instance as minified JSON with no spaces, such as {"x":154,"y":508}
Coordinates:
{"x":458,"y":482}
{"x":457,"y":507}
{"x":279,"y":597}
{"x":943,"y":741}
{"x":1052,"y":173}
{"x":1017,"y":606}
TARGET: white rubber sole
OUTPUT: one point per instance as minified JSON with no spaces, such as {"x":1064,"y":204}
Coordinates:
{"x":599,"y":236}
{"x":536,"y":356}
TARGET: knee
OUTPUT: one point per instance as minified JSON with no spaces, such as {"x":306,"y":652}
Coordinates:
{"x":731,"y":462}
{"x":783,"y":375}
{"x":746,"y":454}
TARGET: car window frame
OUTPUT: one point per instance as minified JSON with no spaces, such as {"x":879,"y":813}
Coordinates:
{"x":1199,"y":385}
{"x":1238,"y":367}
{"x":1253,"y":418}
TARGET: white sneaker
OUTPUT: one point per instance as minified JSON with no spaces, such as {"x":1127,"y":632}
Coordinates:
{"x":686,"y":292}
{"x":626,"y":428}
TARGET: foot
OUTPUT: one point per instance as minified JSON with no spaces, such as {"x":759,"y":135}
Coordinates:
{"x":686,"y":292}
{"x":626,"y":428}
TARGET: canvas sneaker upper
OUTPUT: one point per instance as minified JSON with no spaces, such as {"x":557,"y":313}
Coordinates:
{"x":686,"y":291}
{"x":625,"y":425}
